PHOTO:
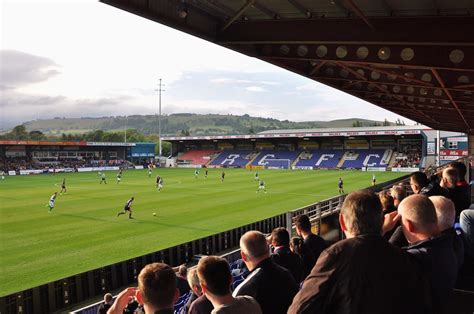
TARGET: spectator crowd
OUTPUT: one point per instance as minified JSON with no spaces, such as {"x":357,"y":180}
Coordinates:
{"x":408,"y":156}
{"x":400,"y":254}
{"x":23,"y":163}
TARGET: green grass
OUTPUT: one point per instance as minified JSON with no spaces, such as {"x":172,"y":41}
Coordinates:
{"x":83,"y":232}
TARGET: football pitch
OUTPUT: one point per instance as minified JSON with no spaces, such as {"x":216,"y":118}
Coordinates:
{"x":83,"y":231}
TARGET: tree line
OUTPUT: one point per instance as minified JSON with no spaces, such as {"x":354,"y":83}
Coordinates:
{"x":20,"y":132}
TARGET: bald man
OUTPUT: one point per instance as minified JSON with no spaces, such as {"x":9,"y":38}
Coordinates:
{"x":271,"y":285}
{"x":446,"y":214}
{"x":432,"y":250}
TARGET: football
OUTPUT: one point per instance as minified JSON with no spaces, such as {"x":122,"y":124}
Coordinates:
{"x":154,"y":214}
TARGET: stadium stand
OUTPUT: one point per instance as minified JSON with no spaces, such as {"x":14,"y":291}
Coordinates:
{"x":275,"y":159}
{"x":320,"y":159}
{"x":359,"y":158}
{"x":196,"y":157}
{"x":183,"y":299}
{"x":324,"y":158}
{"x":233,"y":158}
{"x":409,"y":154}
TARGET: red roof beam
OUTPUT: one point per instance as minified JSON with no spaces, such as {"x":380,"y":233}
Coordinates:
{"x":441,"y":83}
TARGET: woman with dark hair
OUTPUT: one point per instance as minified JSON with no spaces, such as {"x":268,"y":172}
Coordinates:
{"x":296,"y":244}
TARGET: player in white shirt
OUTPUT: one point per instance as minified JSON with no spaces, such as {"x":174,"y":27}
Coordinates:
{"x":102,"y":178}
{"x":119,"y":176}
{"x":52,"y":200}
{"x":261,"y":187}
{"x":160,"y":184}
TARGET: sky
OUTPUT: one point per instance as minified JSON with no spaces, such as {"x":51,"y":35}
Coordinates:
{"x":82,"y":58}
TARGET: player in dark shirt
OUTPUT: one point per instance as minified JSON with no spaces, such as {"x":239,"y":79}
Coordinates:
{"x":222,"y":176}
{"x":127,"y":208}
{"x":341,"y":186}
{"x":205,"y":174}
{"x":374,"y":179}
{"x":63,"y":187}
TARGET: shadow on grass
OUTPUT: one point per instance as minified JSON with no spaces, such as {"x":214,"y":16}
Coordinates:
{"x":8,"y":198}
{"x":139,"y":221}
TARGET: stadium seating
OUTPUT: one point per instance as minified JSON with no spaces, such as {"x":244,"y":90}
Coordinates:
{"x":359,"y":158}
{"x":181,"y":302}
{"x":232,"y":158}
{"x":275,"y":159}
{"x":324,"y":158}
{"x":197,"y":157}
{"x":17,"y":164}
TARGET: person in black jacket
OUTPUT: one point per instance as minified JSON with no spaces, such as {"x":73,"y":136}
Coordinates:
{"x":108,"y":301}
{"x":182,"y":281}
{"x":313,"y":245}
{"x":432,"y":250}
{"x":283,"y":256}
{"x":446,"y":215}
{"x":420,"y":184}
{"x":270,"y":284}
{"x":459,"y":195}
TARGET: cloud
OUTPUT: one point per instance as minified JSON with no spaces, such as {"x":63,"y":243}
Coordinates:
{"x":257,"y":89}
{"x":312,"y":86}
{"x":17,"y":107}
{"x":41,"y":93}
{"x":224,"y":80}
{"x":18,"y":69}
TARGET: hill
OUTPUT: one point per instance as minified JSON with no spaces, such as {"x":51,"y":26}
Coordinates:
{"x":195,"y":124}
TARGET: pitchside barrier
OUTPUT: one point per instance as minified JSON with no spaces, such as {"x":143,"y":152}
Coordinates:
{"x":67,"y":293}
